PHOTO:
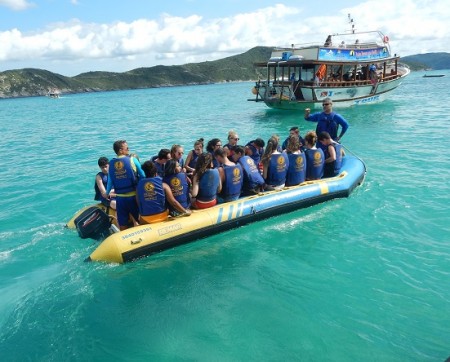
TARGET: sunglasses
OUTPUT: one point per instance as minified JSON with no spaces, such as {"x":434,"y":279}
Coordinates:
{"x":326,"y":104}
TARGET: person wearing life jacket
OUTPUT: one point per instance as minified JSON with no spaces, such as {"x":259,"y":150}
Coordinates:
{"x":160,"y":160}
{"x":122,"y":177}
{"x":253,"y":182}
{"x":206,"y":183}
{"x":101,"y":182}
{"x":275,"y":164}
{"x":211,"y":146}
{"x":230,"y":175}
{"x":151,"y":196}
{"x":296,"y":172}
{"x":255,"y":150}
{"x":177,"y":152}
{"x":332,"y":154}
{"x":192,"y":156}
{"x":326,"y":144}
{"x":294,"y":131}
{"x":233,"y":139}
{"x":314,"y":157}
{"x":176,"y":186}
{"x":328,"y":120}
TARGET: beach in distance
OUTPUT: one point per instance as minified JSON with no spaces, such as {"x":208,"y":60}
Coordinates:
{"x":359,"y":278}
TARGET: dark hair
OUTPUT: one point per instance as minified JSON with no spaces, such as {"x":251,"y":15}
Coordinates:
{"x":324,"y":136}
{"x":102,"y":161}
{"x":259,"y":142}
{"x":170,"y":167}
{"x":149,"y":169}
{"x":295,"y":128}
{"x":239,"y":149}
{"x":163,"y":152}
{"x":211,"y":144}
{"x":203,"y":163}
{"x":220,"y":152}
{"x":117,"y":146}
{"x":199,"y":142}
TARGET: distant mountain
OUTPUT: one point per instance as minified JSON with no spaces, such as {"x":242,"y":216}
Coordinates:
{"x":428,"y":61}
{"x":38,"y":82}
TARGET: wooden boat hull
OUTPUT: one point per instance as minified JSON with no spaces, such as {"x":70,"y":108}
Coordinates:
{"x":147,"y":239}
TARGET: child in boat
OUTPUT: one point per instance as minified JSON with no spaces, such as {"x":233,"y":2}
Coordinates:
{"x":101,"y":181}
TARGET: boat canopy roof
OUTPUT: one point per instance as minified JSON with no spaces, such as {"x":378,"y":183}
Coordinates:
{"x":367,"y":47}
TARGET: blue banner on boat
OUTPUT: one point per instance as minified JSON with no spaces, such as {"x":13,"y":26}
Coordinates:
{"x":343,"y":54}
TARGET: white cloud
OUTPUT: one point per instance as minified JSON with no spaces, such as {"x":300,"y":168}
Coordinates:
{"x":16,"y":4}
{"x":169,"y":40}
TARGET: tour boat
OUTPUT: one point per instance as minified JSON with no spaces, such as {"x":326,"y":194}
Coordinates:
{"x":352,"y":68}
{"x":139,"y":241}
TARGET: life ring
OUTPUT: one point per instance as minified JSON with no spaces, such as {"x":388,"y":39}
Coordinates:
{"x":386,"y":39}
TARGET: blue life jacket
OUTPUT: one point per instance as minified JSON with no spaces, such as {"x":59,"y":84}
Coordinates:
{"x":326,"y":123}
{"x":193,"y":160}
{"x":180,"y":189}
{"x":314,"y":164}
{"x":252,"y":176}
{"x":208,"y":184}
{"x":151,"y":196}
{"x":232,"y":186}
{"x":296,"y":173}
{"x":123,"y":175}
{"x":216,"y":164}
{"x":278,"y":166}
{"x":98,"y":195}
{"x":256,"y":153}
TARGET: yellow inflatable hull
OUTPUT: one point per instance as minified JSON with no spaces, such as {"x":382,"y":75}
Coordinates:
{"x":144,"y":240}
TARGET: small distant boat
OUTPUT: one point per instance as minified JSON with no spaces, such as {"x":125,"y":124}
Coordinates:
{"x":353,"y":68}
{"x":433,"y":75}
{"x":54,"y":93}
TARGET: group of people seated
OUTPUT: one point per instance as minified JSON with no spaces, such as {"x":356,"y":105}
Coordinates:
{"x":169,"y":185}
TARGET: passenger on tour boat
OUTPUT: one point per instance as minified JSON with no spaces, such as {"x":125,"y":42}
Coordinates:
{"x":328,"y":120}
{"x":253,"y":182}
{"x":233,"y":139}
{"x":255,"y":149}
{"x":160,"y":160}
{"x":101,"y":182}
{"x":314,"y":157}
{"x":296,"y":172}
{"x":211,"y":147}
{"x":192,"y":156}
{"x":332,"y":154}
{"x":230,"y":176}
{"x":294,"y":131}
{"x":122,"y":177}
{"x":275,"y":164}
{"x":151,"y":196}
{"x":176,"y":187}
{"x":177,"y":152}
{"x":206,"y":183}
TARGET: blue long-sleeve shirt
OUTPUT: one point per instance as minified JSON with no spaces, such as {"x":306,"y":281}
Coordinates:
{"x":329,"y":122}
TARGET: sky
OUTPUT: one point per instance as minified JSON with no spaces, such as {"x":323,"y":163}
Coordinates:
{"x":70,"y":37}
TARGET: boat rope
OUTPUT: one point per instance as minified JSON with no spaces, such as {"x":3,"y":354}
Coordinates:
{"x":354,"y":154}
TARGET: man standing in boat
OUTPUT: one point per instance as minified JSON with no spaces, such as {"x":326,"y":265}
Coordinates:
{"x":328,"y":121}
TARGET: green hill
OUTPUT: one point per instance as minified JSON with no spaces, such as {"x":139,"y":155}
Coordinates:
{"x":37,"y":82}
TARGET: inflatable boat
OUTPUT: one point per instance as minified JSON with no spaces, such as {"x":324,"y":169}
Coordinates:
{"x":143,"y":240}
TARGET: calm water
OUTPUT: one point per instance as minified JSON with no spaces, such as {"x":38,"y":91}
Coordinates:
{"x":364,"y":278}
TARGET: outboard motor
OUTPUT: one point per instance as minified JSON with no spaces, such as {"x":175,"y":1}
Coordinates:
{"x":94,"y":223}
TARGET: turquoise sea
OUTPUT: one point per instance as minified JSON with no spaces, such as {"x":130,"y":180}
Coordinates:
{"x":366,"y":278}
